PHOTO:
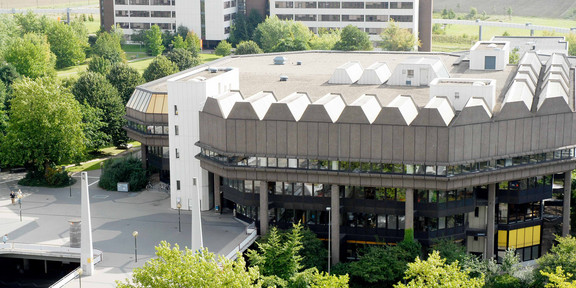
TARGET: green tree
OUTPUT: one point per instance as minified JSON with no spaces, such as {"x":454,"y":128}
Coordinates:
{"x":509,"y":12}
{"x":66,"y":45}
{"x":95,"y":90}
{"x":8,"y":31}
{"x":278,"y":256}
{"x":223,"y":49}
{"x":275,"y":35}
{"x":353,"y":39}
{"x":182,"y":31}
{"x":8,"y":74}
{"x":31,"y":56}
{"x":325,"y":40}
{"x":559,"y":279}
{"x":449,"y":250}
{"x":31,"y":22}
{"x":473,"y":13}
{"x":99,"y":65}
{"x":95,"y":138}
{"x":173,"y":267}
{"x":160,"y":67}
{"x":167,"y":39}
{"x":183,"y":58}
{"x":382,"y":266}
{"x":314,"y":253}
{"x":125,"y":79}
{"x":178,"y":43}
{"x":562,"y":255}
{"x":244,"y":25}
{"x":434,"y":272}
{"x":571,"y":38}
{"x":193,"y":42}
{"x":395,"y":38}
{"x":108,"y":46}
{"x":45,"y":126}
{"x":154,"y":41}
{"x":127,"y":169}
{"x":247,"y":47}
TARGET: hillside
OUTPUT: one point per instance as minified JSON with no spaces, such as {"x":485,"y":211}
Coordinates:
{"x":22,"y":4}
{"x":543,"y":9}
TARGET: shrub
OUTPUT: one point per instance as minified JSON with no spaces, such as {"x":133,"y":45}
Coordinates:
{"x":223,"y":48}
{"x":127,"y":169}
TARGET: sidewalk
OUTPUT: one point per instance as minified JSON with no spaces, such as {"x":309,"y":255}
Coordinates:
{"x":115,"y":215}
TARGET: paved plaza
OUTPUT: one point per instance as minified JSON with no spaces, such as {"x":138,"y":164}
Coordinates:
{"x":115,"y":215}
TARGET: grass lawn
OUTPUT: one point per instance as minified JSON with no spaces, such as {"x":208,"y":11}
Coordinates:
{"x":71,"y":72}
{"x":204,"y":58}
{"x":488,"y":32}
{"x":97,"y":158}
{"x":141,"y":65}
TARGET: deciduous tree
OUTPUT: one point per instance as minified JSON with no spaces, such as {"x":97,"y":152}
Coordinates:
{"x":66,"y":44}
{"x":353,"y":39}
{"x":562,"y":255}
{"x":173,"y":267}
{"x":275,"y":35}
{"x":248,"y":47}
{"x":183,"y":58}
{"x":395,"y":38}
{"x":160,"y":67}
{"x":434,"y":272}
{"x":125,"y":79}
{"x":31,"y":56}
{"x":45,"y":125}
{"x":223,"y":49}
{"x":108,"y":47}
{"x":154,"y":41}
{"x":95,"y":90}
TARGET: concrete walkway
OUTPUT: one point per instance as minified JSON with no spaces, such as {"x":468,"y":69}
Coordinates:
{"x":46,"y":211}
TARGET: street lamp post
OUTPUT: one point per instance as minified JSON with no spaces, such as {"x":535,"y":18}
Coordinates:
{"x":329,"y":234}
{"x":20,"y":203}
{"x":179,"y":206}
{"x":135,"y":234}
{"x":80,"y":272}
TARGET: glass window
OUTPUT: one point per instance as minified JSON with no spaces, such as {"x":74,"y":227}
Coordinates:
{"x":307,"y":189}
{"x":248,"y":186}
{"x":442,"y":223}
{"x":376,"y":5}
{"x":353,"y":18}
{"x":284,"y":4}
{"x":328,"y":4}
{"x":335,"y":18}
{"x":309,"y":4}
{"x":392,"y":222}
{"x":353,"y":5}
{"x":378,"y":18}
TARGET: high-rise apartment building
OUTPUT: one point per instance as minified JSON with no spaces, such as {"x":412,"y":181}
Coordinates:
{"x":370,"y":16}
{"x":210,"y":20}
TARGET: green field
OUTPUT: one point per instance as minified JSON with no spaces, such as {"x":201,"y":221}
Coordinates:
{"x":470,"y":32}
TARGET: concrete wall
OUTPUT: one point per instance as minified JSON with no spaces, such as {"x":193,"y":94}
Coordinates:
{"x":391,"y":143}
{"x":190,"y":97}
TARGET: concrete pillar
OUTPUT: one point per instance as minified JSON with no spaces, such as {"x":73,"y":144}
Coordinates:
{"x":425,"y":24}
{"x":409,"y":209}
{"x":263,"y":207}
{"x":335,"y":225}
{"x":86,"y":251}
{"x":144,"y":155}
{"x":566,"y":205}
{"x":217,"y":191}
{"x":75,"y":232}
{"x":490,"y":221}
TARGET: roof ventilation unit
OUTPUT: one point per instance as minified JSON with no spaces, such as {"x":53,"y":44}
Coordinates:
{"x":213,"y":70}
{"x":280,"y":60}
{"x":283,"y":78}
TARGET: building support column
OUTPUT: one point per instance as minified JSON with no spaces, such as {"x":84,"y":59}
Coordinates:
{"x":489,"y":253}
{"x":566,"y":204}
{"x":144,"y":156}
{"x":263,"y":207}
{"x":335,"y":224}
{"x":217,"y":194}
{"x":409,"y":210}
